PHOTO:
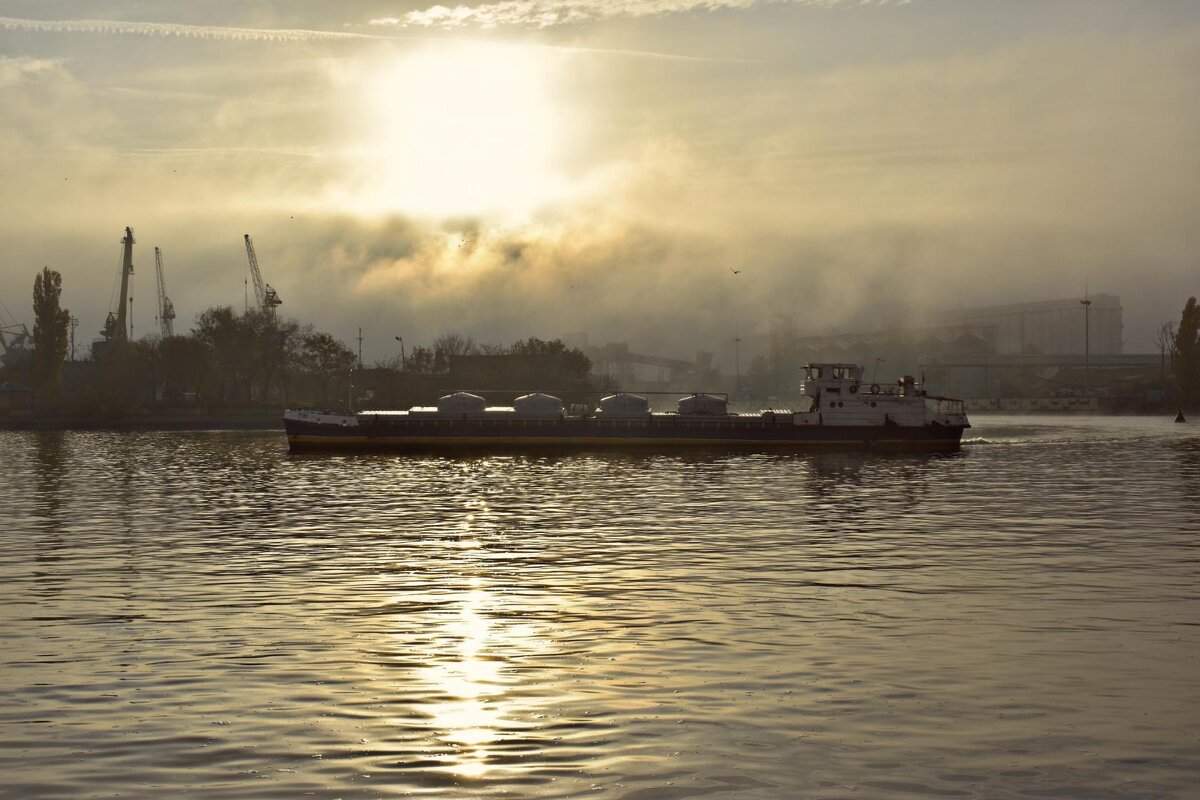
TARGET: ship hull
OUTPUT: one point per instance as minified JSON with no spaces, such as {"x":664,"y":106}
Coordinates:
{"x":655,"y":433}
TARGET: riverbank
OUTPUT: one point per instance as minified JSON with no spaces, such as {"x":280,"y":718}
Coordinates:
{"x":199,"y":419}
{"x":150,"y":420}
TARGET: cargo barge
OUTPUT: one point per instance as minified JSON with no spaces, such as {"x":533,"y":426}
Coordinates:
{"x":837,"y":409}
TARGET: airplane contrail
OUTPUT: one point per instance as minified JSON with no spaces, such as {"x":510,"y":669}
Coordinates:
{"x":128,"y":27}
{"x":181,"y":30}
{"x":548,"y":13}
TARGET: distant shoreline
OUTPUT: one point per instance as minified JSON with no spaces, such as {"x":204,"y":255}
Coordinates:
{"x":272,"y":419}
{"x":1017,"y":412}
{"x":166,"y":420}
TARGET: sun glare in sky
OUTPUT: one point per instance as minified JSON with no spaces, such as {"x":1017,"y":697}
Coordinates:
{"x":461,"y":129}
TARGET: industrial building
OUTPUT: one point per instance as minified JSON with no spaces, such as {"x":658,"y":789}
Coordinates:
{"x":1052,"y":327}
{"x":633,"y":370}
{"x":1049,"y":349}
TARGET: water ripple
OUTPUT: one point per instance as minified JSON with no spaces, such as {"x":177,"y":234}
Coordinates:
{"x":205,"y":614}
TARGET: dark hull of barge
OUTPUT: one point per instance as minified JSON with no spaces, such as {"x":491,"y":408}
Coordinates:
{"x":666,"y":432}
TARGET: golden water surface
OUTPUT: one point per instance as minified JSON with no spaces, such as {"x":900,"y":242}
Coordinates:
{"x":204,"y":615}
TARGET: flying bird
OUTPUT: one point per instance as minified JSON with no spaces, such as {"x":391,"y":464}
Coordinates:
{"x":735,"y":271}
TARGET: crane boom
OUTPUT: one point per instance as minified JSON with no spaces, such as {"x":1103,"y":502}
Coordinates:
{"x":116,"y":326}
{"x":15,"y":341}
{"x":14,"y":336}
{"x":266,"y":297}
{"x":166,"y":310}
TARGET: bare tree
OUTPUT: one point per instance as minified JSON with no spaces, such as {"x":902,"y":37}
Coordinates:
{"x":1165,"y":339}
{"x":420,"y":360}
{"x":449,"y":345}
{"x":394,"y":363}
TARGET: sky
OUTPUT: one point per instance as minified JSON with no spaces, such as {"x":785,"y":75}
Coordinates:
{"x":526,"y":168}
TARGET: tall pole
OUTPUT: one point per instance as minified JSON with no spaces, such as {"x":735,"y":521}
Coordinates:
{"x":1087,"y":341}
{"x":74,"y":324}
{"x":360,"y":348}
{"x":737,"y":366}
{"x":131,"y":319}
{"x":400,"y":339}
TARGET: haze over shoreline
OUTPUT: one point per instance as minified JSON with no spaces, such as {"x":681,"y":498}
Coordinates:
{"x":859,"y":165}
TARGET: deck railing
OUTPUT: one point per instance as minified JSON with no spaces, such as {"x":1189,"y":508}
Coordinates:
{"x":946,"y":405}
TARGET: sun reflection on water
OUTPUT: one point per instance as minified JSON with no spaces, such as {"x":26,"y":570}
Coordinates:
{"x":474,"y":700}
{"x":471,"y":706}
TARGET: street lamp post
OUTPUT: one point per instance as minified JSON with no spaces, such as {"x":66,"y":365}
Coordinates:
{"x":1087,"y":342}
{"x":400,"y":339}
{"x":737,"y":366}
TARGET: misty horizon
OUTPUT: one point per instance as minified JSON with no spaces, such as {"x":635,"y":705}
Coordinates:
{"x":605,"y":172}
{"x":620,"y":399}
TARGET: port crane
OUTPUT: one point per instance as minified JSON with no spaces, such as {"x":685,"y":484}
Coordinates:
{"x":266,"y":297}
{"x":15,"y":340}
{"x":115,"y":326}
{"x":166,"y":310}
{"x":14,"y":336}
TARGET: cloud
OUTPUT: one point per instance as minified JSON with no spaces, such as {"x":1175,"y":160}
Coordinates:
{"x":175,"y":29}
{"x":851,"y":197}
{"x":548,"y":13}
{"x":19,"y":69}
{"x":38,"y":96}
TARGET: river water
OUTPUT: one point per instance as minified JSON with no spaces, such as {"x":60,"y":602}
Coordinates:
{"x":204,"y":615}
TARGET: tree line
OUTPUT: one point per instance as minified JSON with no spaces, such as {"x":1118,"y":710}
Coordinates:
{"x":233,"y":359}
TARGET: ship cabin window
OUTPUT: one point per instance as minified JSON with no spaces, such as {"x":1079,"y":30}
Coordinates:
{"x":843,"y":373}
{"x":814,"y":373}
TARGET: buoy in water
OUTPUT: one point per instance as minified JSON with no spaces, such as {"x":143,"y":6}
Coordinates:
{"x":1179,"y":417}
